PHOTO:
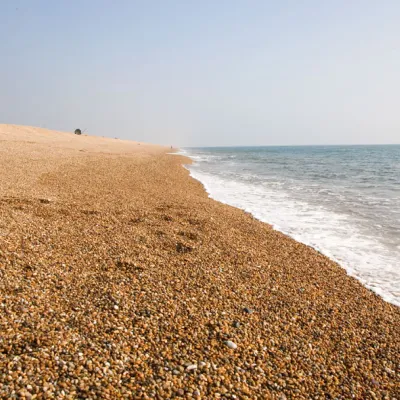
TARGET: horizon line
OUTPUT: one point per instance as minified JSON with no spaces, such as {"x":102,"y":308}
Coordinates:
{"x":293,"y":145}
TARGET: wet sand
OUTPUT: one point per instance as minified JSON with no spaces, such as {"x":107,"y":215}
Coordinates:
{"x":120,"y":278}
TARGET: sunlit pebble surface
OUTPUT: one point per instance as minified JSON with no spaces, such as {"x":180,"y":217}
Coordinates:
{"x":119,"y":278}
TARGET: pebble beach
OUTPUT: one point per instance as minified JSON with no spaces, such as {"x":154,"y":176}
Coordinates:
{"x":121,"y":279}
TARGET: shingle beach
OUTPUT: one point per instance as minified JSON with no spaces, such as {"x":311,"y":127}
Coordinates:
{"x":120,"y":278}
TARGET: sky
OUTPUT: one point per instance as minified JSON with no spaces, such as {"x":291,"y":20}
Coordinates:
{"x":204,"y":73}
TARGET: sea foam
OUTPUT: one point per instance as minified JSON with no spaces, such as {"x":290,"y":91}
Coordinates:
{"x":310,"y":211}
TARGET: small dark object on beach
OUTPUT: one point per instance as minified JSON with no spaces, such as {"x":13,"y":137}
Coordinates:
{"x":236,"y":324}
{"x":44,"y":201}
{"x":145,"y":313}
{"x":126,"y":265}
{"x":78,"y":132}
{"x":181,"y":248}
{"x":248,"y":310}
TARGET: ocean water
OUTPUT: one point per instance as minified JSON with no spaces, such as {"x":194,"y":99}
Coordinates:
{"x":342,"y":200}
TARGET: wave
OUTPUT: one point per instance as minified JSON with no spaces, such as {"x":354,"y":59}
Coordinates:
{"x":336,"y":235}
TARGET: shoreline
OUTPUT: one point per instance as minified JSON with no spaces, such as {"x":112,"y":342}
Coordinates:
{"x":350,"y":271}
{"x":120,"y":277}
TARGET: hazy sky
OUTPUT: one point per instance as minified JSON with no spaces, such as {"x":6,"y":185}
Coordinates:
{"x":204,"y":72}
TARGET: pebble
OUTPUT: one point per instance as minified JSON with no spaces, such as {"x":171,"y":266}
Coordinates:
{"x":248,"y":310}
{"x":374,"y":382}
{"x":191,"y":367}
{"x":231,"y":344}
{"x":389,"y":371}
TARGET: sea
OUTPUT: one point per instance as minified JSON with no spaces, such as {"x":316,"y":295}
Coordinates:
{"x":343,"y":201}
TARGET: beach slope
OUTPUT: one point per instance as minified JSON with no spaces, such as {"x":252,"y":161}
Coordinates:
{"x":120,"y":278}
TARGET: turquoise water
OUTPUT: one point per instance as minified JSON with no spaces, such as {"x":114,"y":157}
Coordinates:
{"x":342,"y":200}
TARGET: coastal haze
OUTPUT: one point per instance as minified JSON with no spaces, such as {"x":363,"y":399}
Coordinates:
{"x":205,"y":73}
